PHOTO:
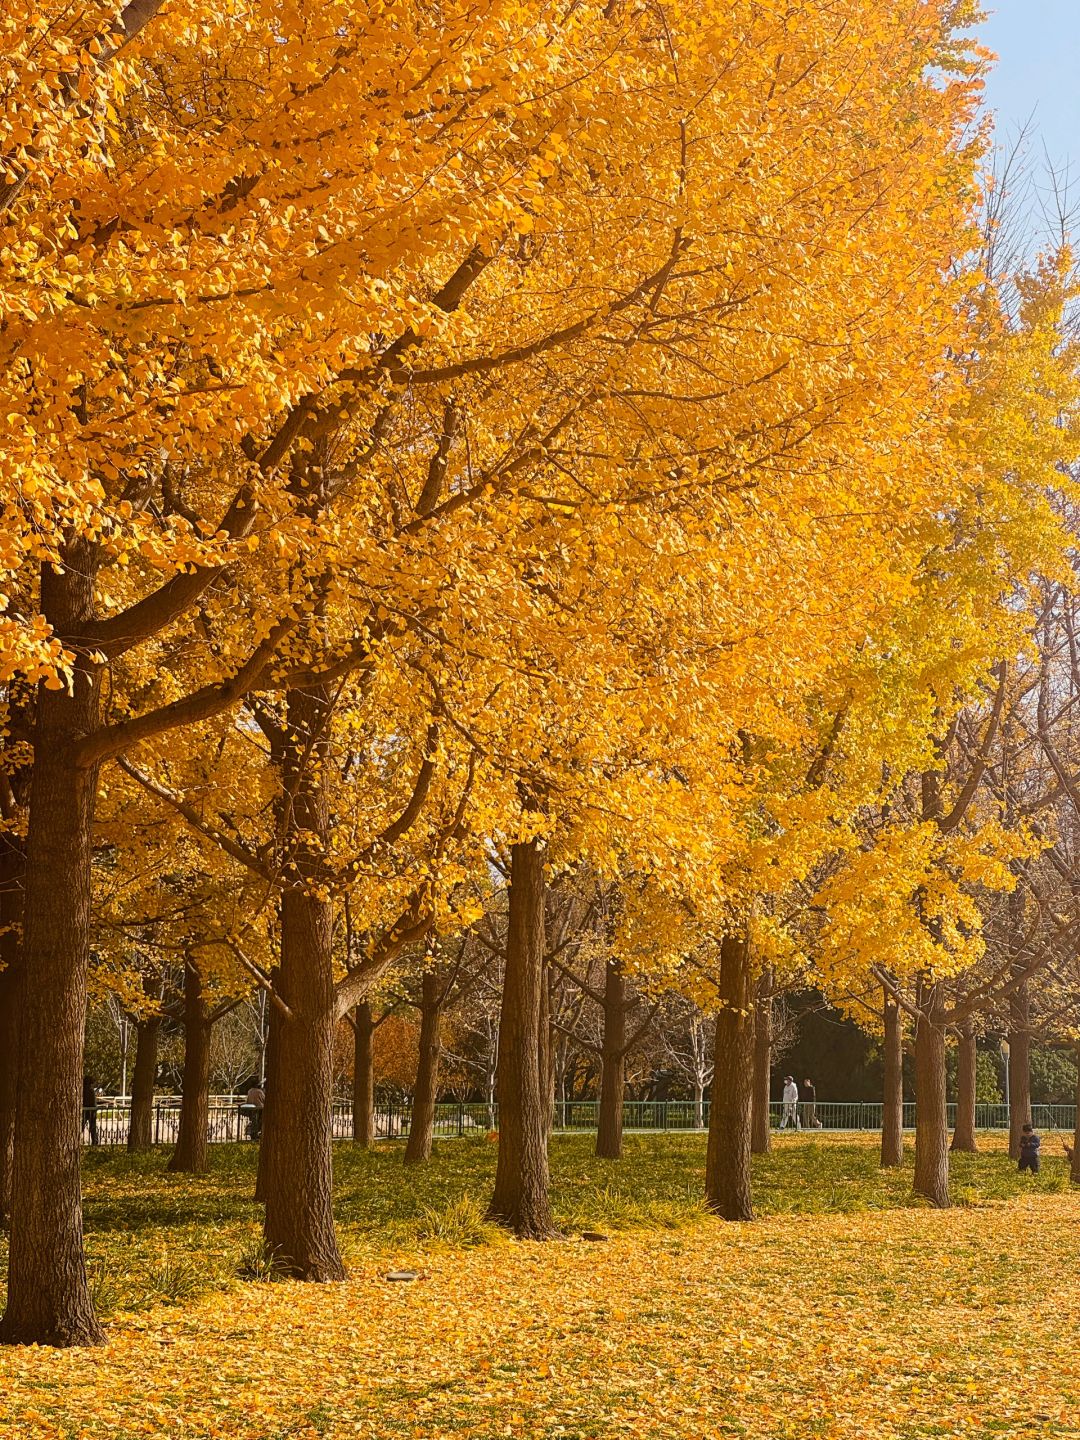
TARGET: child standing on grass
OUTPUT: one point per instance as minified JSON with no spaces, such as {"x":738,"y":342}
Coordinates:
{"x":1029,"y":1150}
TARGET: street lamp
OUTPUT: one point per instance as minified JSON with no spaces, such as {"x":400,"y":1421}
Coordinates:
{"x":1004,"y":1048}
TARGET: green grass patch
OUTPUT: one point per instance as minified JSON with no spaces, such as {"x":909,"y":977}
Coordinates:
{"x":153,"y":1237}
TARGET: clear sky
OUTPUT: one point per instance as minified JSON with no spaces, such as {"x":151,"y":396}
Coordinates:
{"x":1037,"y":75}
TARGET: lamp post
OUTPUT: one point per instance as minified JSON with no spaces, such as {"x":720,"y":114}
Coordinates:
{"x":1004,"y":1048}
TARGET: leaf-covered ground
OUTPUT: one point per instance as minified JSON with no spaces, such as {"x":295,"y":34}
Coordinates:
{"x":843,"y":1313}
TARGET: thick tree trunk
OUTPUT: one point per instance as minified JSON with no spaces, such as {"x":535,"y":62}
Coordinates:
{"x":299,"y":1225}
{"x":967,"y":1058}
{"x":892,"y":1110}
{"x":12,"y":883}
{"x":727,"y":1160}
{"x":521,"y":1199}
{"x":141,"y":1128}
{"x":761,"y":1128}
{"x":48,"y":1298}
{"x":931,"y":1115}
{"x":12,"y":877}
{"x":9,"y":1027}
{"x":364,"y":1076}
{"x":190,"y":1155}
{"x":612,"y":1064}
{"x":422,"y":1124}
{"x":1019,"y":1065}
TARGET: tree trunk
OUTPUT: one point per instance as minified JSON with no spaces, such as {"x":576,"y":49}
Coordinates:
{"x":48,"y":1298}
{"x":299,"y":1225}
{"x":966,"y":1061}
{"x":422,"y":1124}
{"x":547,"y":1054}
{"x":364,"y":1076}
{"x":270,"y":1096}
{"x":521,"y":1199}
{"x":9,"y":1029}
{"x":141,"y":1128}
{"x":761,"y":1127}
{"x":491,"y":1082}
{"x":12,"y":878}
{"x":1019,"y":1065}
{"x":931,"y":1115}
{"x":727,"y":1161}
{"x":612,"y":1064}
{"x":190,"y":1155}
{"x":892,"y":1110}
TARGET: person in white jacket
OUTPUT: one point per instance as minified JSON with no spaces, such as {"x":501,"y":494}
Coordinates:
{"x":790,"y":1118}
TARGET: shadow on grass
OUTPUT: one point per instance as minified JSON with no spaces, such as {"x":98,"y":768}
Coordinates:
{"x":154,"y":1237}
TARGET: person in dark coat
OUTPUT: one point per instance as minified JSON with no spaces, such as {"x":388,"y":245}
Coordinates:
{"x":1029,"y":1150}
{"x":89,"y":1107}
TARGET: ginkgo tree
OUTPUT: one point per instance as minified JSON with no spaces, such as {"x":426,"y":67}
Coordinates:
{"x":194,"y":255}
{"x":383,"y":339}
{"x":906,"y":905}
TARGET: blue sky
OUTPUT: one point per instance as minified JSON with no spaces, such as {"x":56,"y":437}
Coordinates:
{"x":1038,"y":72}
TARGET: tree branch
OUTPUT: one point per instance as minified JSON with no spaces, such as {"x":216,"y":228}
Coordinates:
{"x":978,"y":768}
{"x":415,"y":805}
{"x":150,"y":615}
{"x":411,"y":925}
{"x":231,"y":847}
{"x":202,"y":704}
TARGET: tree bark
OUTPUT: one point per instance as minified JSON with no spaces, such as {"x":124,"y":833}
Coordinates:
{"x":546,"y":1052}
{"x":612,"y":1064}
{"x":966,"y":1061}
{"x":364,"y":1076}
{"x":727,"y":1160}
{"x":422,"y":1124}
{"x":48,"y":1298}
{"x":931,"y":1115}
{"x":190,"y":1154}
{"x":892,"y":1112}
{"x":521,"y":1200}
{"x":12,"y":878}
{"x":761,"y":1127}
{"x":270,"y":1094}
{"x":9,"y":1031}
{"x":1019,"y":1065}
{"x":144,"y":1077}
{"x":299,"y":1224}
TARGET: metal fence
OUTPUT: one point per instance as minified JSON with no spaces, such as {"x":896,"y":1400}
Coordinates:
{"x":228,"y":1122}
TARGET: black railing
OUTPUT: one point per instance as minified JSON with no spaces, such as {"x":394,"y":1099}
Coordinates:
{"x":228,"y":1121}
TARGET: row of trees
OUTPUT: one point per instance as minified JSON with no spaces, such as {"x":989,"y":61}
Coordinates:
{"x":456,"y":448}
{"x":607,"y":1033}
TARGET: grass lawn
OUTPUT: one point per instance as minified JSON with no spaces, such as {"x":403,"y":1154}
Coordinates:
{"x":845,"y":1312}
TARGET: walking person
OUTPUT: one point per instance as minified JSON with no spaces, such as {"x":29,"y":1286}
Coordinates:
{"x":789,"y":1120}
{"x":810,"y":1120}
{"x":89,"y":1107}
{"x":1029,"y":1150}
